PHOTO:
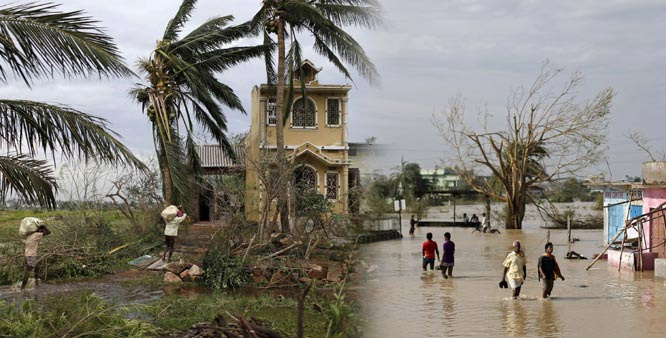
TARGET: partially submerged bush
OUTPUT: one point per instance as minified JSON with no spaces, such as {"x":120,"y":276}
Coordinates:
{"x":223,"y":271}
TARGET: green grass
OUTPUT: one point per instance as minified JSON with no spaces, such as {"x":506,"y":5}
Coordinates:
{"x":81,"y":314}
{"x":173,"y":313}
{"x":84,"y":313}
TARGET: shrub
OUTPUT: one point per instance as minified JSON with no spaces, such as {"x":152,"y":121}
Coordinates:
{"x":223,"y":271}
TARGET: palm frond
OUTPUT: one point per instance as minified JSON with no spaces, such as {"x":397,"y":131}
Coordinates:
{"x":321,"y":48}
{"x":37,"y":40}
{"x":351,"y":15}
{"x":34,"y":125}
{"x":212,"y":35}
{"x":348,"y":49}
{"x":303,"y":15}
{"x":176,"y":24}
{"x":30,"y":179}
{"x":170,"y":155}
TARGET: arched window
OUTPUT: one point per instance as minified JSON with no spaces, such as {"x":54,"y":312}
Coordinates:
{"x":305,"y":177}
{"x":303,"y":116}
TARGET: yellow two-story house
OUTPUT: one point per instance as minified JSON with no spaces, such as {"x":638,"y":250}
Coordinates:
{"x":315,"y":137}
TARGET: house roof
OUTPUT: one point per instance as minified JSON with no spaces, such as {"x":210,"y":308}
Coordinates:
{"x":213,"y":156}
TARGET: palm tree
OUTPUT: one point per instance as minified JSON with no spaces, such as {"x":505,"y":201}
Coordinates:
{"x":324,"y":21}
{"x":38,"y":41}
{"x":182,"y":90}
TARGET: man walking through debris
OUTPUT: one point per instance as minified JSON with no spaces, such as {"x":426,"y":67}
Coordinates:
{"x":32,"y":230}
{"x":412,"y":224}
{"x":549,"y":270}
{"x":515,"y":269}
{"x":173,"y":216}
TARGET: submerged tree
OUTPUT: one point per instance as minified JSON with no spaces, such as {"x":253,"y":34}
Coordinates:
{"x":38,"y":41}
{"x":548,"y":137}
{"x":182,"y":89}
{"x":324,"y":21}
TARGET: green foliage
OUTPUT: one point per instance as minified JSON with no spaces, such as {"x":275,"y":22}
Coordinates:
{"x":39,"y":41}
{"x":78,"y":314}
{"x":343,"y":316}
{"x":378,"y":194}
{"x":309,"y":202}
{"x":407,"y":182}
{"x":77,"y":246}
{"x":569,"y":190}
{"x":183,"y":89}
{"x":223,"y":271}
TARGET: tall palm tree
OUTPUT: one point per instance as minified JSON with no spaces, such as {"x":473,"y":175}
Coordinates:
{"x":324,"y":21}
{"x":38,"y":41}
{"x":182,"y":90}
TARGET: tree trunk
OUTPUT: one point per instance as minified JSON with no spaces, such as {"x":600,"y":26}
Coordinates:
{"x":279,"y":126}
{"x":515,"y":212}
{"x":168,"y":187}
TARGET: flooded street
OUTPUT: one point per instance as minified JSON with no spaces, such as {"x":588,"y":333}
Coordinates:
{"x":402,"y":301}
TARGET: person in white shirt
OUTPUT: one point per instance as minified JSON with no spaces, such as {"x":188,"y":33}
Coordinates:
{"x":485,"y":222}
{"x":171,"y":230}
{"x":31,"y":241}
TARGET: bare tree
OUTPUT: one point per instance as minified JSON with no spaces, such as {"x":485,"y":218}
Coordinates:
{"x":547,"y":136}
{"x":273,"y":181}
{"x":643,"y":144}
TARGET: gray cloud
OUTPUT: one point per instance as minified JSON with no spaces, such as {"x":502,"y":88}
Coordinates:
{"x":428,"y":51}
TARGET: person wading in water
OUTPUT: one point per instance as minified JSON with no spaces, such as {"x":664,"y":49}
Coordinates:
{"x":515,"y":269}
{"x":549,"y":270}
{"x":412,"y":224}
{"x":429,"y":249}
{"x":448,"y":249}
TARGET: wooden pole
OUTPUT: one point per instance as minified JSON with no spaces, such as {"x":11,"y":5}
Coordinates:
{"x":624,"y":238}
{"x":454,"y":208}
{"x":569,"y":227}
{"x":640,"y":245}
{"x":607,"y":246}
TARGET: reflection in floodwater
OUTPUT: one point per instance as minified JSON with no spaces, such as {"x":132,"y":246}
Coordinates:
{"x":400,"y":300}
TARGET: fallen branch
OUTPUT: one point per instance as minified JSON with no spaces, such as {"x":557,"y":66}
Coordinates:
{"x":287,"y":249}
{"x":248,"y":249}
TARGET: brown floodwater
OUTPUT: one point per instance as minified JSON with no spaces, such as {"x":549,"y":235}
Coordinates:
{"x":399,"y":300}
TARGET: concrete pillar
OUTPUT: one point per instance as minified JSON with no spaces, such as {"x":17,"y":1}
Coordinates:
{"x":344,"y":184}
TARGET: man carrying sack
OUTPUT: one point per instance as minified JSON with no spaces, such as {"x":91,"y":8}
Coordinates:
{"x":31,"y":230}
{"x":173,"y":216}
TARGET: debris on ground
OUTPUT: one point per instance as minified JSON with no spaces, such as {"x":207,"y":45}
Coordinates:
{"x":239,"y":327}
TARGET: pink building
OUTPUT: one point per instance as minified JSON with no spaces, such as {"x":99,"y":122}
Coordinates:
{"x":654,"y":195}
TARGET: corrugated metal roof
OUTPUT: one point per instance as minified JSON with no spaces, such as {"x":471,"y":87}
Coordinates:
{"x":212,"y":156}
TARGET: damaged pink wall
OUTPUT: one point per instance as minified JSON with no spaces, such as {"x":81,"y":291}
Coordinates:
{"x":652,"y":198}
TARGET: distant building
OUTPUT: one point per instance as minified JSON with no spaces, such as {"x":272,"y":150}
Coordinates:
{"x":443,"y":178}
{"x":369,"y":158}
{"x":215,"y":163}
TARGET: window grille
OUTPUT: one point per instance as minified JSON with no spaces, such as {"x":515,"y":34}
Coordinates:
{"x":333,"y":112}
{"x":332,"y":186}
{"x":302,"y":116}
{"x":270,"y":112}
{"x":305,"y":177}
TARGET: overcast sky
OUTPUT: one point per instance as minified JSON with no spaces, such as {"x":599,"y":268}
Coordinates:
{"x":429,"y":51}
